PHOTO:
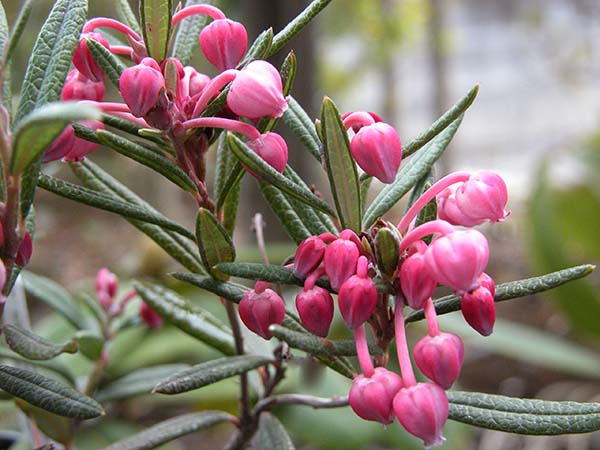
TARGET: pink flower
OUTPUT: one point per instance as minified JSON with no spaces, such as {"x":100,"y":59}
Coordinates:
{"x":487,"y":282}
{"x":141,"y":86}
{"x":340,"y":259}
{"x":194,"y":81}
{"x":257,"y":91}
{"x":25,"y":250}
{"x":78,"y":87}
{"x":272,"y":148}
{"x":440,"y":358}
{"x":83,"y":59}
{"x":308,"y":256}
{"x":315,"y":308}
{"x":69,"y":147}
{"x":107,"y":285}
{"x":378,"y":151}
{"x":224,"y":43}
{"x":479,"y":310}
{"x":357,"y":297}
{"x":416,"y":282}
{"x":150,"y":317}
{"x":371,"y":398}
{"x":261,"y":308}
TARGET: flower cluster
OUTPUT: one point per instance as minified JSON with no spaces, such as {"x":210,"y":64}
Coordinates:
{"x":365,"y":270}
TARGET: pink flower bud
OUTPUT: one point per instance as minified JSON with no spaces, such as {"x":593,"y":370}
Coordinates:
{"x":415,"y":280}
{"x":69,"y":147}
{"x":440,"y":358}
{"x":371,"y":398}
{"x":315,"y":308}
{"x":78,"y":87}
{"x":259,"y":310}
{"x":448,"y":209}
{"x":25,"y":250}
{"x":257,"y":92}
{"x":422,"y":410}
{"x":83,"y":59}
{"x":479,"y":310}
{"x":357,"y":297}
{"x":150,"y":317}
{"x":340,"y":258}
{"x":308,"y":256}
{"x":106,"y":285}
{"x":458,"y":259}
{"x":141,"y":86}
{"x":487,"y":282}
{"x":224,"y":43}
{"x":194,"y":81}
{"x":272,"y":148}
{"x":378,"y":151}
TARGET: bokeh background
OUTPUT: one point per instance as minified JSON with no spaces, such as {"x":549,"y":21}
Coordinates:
{"x":535,"y":121}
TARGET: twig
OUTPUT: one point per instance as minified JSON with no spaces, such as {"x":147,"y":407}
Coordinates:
{"x":298,"y":399}
{"x":258,"y":225}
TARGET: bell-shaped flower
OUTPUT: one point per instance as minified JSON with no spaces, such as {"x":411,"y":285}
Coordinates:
{"x":69,"y":147}
{"x":315,"y":308}
{"x":309,"y":255}
{"x":376,"y":148}
{"x":340,"y":259}
{"x":371,"y":398}
{"x":272,"y":148}
{"x":78,"y":87}
{"x":416,"y":282}
{"x":141,"y":86}
{"x":260,"y":308}
{"x":440,"y":358}
{"x":357,"y":298}
{"x":224,"y":43}
{"x":479,"y":310}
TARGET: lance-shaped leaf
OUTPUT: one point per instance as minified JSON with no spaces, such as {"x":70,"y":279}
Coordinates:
{"x":192,"y":320}
{"x":214,"y":243}
{"x":156,"y":26}
{"x":17,"y":30}
{"x":409,"y":174}
{"x":303,"y":127}
{"x":442,"y":123}
{"x":523,"y":416}
{"x":41,"y":127}
{"x":186,"y":38}
{"x":259,"y":48}
{"x":102,"y":201}
{"x":109,"y":63}
{"x":171,"y":429}
{"x":514,"y":289}
{"x":258,"y":166}
{"x":272,"y":434}
{"x":32,"y":346}
{"x":127,"y":16}
{"x":341,"y":169}
{"x":129,"y":127}
{"x":209,"y":372}
{"x":138,"y":382}
{"x":52,"y":365}
{"x":48,"y":394}
{"x":228,"y":176}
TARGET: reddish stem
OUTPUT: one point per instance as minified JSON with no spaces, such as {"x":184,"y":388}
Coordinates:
{"x":208,"y":10}
{"x":408,"y":375}
{"x":121,"y":50}
{"x":361,"y":267}
{"x":359,"y":118}
{"x":105,"y":22}
{"x":227,"y":124}
{"x":433,"y":227}
{"x":362,"y":351}
{"x":433,"y":328}
{"x":212,"y":90}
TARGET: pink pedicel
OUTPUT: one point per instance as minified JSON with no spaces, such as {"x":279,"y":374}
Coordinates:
{"x":479,"y":310}
{"x":83,"y":59}
{"x":25,"y":250}
{"x":416,"y":282}
{"x":141,"y":86}
{"x":357,"y":298}
{"x":377,"y":150}
{"x":150,"y":317}
{"x":458,"y":259}
{"x":69,"y":147}
{"x":260,"y":308}
{"x":79,"y":87}
{"x":224,"y":43}
{"x":309,"y":255}
{"x":194,"y":81}
{"x":257,"y":91}
{"x":315,"y":308}
{"x":440,"y":358}
{"x":272,"y":148}
{"x":371,"y":397}
{"x":107,"y":285}
{"x":422,"y":409}
{"x":340,"y":259}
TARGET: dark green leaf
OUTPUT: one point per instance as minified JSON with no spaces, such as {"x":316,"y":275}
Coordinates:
{"x":32,"y":346}
{"x":259,"y":48}
{"x":48,"y":394}
{"x":272,"y":434}
{"x":52,"y":365}
{"x":288,"y":72}
{"x":171,"y":429}
{"x":156,"y":26}
{"x":341,"y":169}
{"x":36,"y":131}
{"x":303,"y":127}
{"x":409,"y":174}
{"x":257,"y":165}
{"x":186,"y":38}
{"x":209,"y":372}
{"x":127,"y":15}
{"x":129,"y":127}
{"x":523,"y":416}
{"x":191,"y":319}
{"x":138,"y":382}
{"x":28,"y":184}
{"x":51,"y":56}
{"x":109,"y":63}
{"x":513,"y":289}
{"x":214,"y":242}
{"x":17,"y":29}
{"x":226,"y":289}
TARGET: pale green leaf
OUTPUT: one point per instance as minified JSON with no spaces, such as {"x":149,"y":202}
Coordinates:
{"x":156,"y":26}
{"x":214,"y":242}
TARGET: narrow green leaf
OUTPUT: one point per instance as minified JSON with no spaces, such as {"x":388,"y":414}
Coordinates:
{"x":186,"y":38}
{"x":257,"y":165}
{"x":4,"y":32}
{"x":149,"y":158}
{"x":138,"y":382}
{"x":51,"y":56}
{"x":341,"y":169}
{"x":409,"y":174}
{"x":171,"y":429}
{"x":523,"y":416}
{"x":51,"y":365}
{"x":109,"y":63}
{"x":55,"y":297}
{"x":28,"y":184}
{"x":303,"y":127}
{"x":513,"y":289}
{"x":17,"y":29}
{"x":32,"y":346}
{"x":419,"y":188}
{"x":272,"y":434}
{"x":90,"y":344}
{"x":190,"y":319}
{"x":48,"y":394}
{"x":130,"y":127}
{"x":288,"y":72}
{"x":209,"y":372}
{"x":259,"y":49}
{"x":108,"y":203}
{"x":442,"y":123}
{"x":41,"y":127}
{"x":299,"y":22}
{"x":127,"y":16}
{"x":228,"y":175}
{"x":214,"y":243}
{"x":156,"y":26}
